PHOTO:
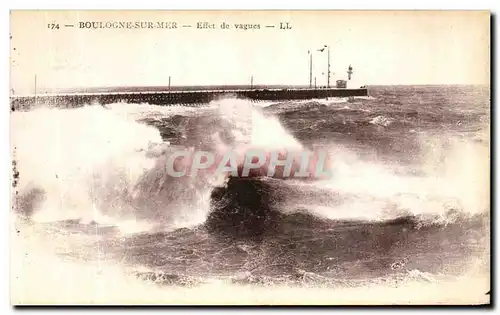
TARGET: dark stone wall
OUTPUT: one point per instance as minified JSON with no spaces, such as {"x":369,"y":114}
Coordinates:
{"x":177,"y":97}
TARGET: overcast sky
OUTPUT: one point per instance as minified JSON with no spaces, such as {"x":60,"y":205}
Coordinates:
{"x":413,"y":47}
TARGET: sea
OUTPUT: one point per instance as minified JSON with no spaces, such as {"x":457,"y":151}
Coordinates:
{"x":404,"y":219}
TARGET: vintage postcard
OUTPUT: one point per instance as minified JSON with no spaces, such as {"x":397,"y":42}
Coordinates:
{"x":250,"y":157}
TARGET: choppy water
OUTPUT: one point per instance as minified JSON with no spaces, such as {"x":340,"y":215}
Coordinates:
{"x":409,"y":199}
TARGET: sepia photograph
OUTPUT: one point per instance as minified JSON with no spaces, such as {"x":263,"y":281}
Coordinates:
{"x":250,"y":157}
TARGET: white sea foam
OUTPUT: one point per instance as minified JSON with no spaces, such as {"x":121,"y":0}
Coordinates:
{"x":88,"y":163}
{"x":382,"y":121}
{"x":97,"y":163}
{"x":453,"y":177}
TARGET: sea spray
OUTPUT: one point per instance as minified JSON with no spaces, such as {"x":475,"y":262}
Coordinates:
{"x":98,"y":164}
{"x":448,"y":182}
{"x":89,"y":163}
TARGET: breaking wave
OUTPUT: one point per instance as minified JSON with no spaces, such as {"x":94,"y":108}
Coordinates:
{"x":98,"y":164}
{"x":101,"y":164}
{"x":91,"y":188}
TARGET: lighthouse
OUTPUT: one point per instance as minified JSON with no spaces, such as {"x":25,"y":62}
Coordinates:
{"x":349,"y":72}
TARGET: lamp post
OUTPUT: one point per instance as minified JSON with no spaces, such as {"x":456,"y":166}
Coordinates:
{"x":310,"y":68}
{"x":328,"y":84}
{"x":328,"y":69}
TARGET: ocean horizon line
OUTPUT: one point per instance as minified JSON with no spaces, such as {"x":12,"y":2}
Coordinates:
{"x":143,"y":88}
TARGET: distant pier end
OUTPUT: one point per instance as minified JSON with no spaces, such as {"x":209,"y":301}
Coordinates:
{"x":178,"y":97}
